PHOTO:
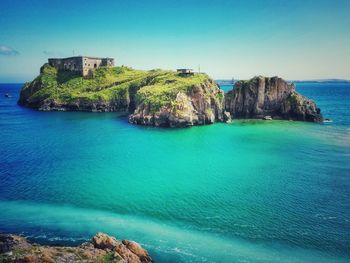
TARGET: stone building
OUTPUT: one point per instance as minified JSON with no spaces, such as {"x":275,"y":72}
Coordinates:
{"x":83,"y":65}
{"x":185,"y":72}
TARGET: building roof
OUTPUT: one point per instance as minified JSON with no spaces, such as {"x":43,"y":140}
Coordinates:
{"x":83,"y":57}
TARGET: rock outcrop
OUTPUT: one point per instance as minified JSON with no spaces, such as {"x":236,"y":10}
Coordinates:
{"x":275,"y":97}
{"x":201,"y":104}
{"x":102,"y":248}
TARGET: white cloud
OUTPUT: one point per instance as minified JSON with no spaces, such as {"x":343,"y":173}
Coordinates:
{"x":7,"y":51}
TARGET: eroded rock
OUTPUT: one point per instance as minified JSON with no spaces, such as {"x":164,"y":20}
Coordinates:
{"x":137,"y":250}
{"x":202,"y":104}
{"x":275,"y":97}
{"x":104,"y":241}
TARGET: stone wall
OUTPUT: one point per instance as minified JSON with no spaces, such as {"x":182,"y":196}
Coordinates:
{"x":83,"y":65}
{"x":71,"y":64}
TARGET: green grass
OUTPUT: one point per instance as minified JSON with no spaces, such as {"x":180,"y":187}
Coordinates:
{"x":156,"y":87}
{"x":67,"y":86}
{"x":293,"y":99}
{"x":165,"y":87}
{"x":108,"y":258}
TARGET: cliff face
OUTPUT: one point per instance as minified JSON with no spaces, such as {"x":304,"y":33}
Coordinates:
{"x":101,"y":248}
{"x":261,"y":96}
{"x":199,"y":104}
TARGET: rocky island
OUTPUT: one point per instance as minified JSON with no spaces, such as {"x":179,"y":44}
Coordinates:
{"x":275,"y":97}
{"x":165,"y":98}
{"x":101,"y":248}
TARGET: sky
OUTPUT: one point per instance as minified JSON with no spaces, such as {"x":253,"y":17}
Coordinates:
{"x":296,"y":40}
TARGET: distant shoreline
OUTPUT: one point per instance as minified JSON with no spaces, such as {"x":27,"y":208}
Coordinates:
{"x":229,"y":82}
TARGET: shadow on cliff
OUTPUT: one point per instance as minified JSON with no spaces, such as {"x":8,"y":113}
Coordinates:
{"x":65,"y":76}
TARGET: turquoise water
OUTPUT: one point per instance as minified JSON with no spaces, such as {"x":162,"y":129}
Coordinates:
{"x":250,"y":191}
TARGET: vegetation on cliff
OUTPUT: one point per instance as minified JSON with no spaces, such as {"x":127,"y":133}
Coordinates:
{"x":163,"y":89}
{"x":113,"y":87}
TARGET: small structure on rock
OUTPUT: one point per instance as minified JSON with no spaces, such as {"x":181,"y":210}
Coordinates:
{"x":185,"y":72}
{"x":81,"y":64}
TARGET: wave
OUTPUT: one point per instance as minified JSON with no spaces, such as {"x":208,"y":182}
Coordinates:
{"x":166,"y":243}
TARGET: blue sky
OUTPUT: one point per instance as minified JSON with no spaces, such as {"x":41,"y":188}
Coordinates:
{"x":241,"y":39}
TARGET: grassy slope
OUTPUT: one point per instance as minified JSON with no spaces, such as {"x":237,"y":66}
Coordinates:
{"x":155,"y":87}
{"x":164,"y":87}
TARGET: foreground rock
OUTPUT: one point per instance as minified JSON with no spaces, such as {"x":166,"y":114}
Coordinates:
{"x":275,"y":97}
{"x":102,"y":248}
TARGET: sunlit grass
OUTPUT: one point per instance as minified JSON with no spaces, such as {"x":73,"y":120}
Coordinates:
{"x":154,"y":87}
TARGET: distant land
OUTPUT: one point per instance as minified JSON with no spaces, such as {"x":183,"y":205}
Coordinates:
{"x":325,"y":80}
{"x":230,"y":81}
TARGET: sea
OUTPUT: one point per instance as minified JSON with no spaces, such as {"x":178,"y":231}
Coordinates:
{"x":248,"y":191}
